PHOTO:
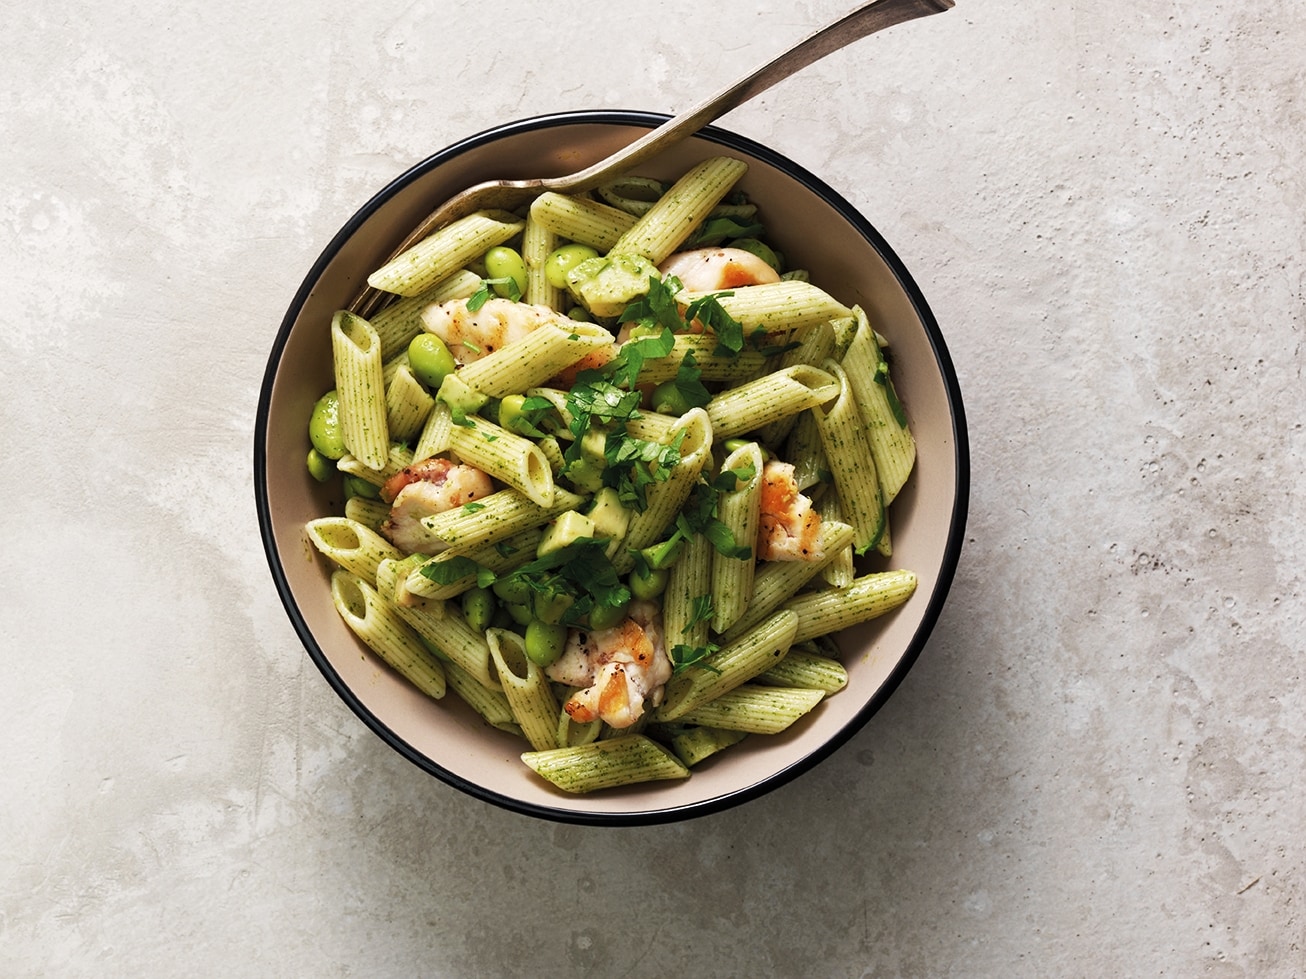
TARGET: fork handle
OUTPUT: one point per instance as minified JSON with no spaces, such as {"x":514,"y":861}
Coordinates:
{"x":865,"y":20}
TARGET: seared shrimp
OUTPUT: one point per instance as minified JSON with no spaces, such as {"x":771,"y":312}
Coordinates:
{"x":619,"y":668}
{"x":472,"y":335}
{"x":711,"y":269}
{"x":426,"y":488}
{"x":789,"y":529}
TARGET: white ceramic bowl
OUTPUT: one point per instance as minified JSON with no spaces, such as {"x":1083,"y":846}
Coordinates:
{"x":818,"y":230}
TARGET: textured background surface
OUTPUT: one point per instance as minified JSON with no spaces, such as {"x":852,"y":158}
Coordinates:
{"x":1096,"y":768}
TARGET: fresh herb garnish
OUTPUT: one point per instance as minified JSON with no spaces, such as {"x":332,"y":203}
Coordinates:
{"x":684,"y":656}
{"x":482,"y":295}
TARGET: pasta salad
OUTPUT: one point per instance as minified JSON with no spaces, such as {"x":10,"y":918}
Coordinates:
{"x":608,"y":465}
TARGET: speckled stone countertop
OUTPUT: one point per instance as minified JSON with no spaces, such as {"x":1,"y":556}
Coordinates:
{"x":1096,"y":766}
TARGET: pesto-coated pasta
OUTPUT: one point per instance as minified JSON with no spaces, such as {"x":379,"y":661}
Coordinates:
{"x":613,"y":518}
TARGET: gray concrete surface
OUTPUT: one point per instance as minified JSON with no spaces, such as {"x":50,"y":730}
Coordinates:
{"x":1096,"y":768}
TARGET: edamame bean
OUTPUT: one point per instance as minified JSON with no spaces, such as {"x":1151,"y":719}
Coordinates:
{"x":479,"y":607}
{"x":514,"y":417}
{"x":319,"y":466}
{"x":607,"y":616}
{"x":544,"y":642}
{"x":563,"y":260}
{"x":646,"y":587}
{"x":668,"y":399}
{"x":324,"y":429}
{"x":514,"y":591}
{"x":357,"y":486}
{"x":502,"y":262}
{"x":521,"y":614}
{"x":430,"y":360}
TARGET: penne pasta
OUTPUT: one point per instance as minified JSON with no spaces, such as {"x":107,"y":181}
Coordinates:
{"x":778,"y":308}
{"x":605,"y":764}
{"x":351,"y":545}
{"x":534,"y":359}
{"x":407,"y":405}
{"x":580,"y":220}
{"x":756,"y":709}
{"x":375,"y":622}
{"x":360,"y":386}
{"x":888,"y":436}
{"x":607,"y":489}
{"x":769,"y":398}
{"x":438,"y":255}
{"x":869,"y":596}
{"x":495,"y":517}
{"x":848,"y":455}
{"x":739,"y":510}
{"x":534,"y":707}
{"x":681,"y":209}
{"x":507,"y":457}
{"x":397,"y":323}
{"x":756,"y":651}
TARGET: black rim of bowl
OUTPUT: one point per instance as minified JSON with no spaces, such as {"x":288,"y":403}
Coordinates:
{"x":957,"y":522}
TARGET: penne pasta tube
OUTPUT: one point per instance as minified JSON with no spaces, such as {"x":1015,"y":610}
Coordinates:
{"x":397,"y":323}
{"x":686,"y":606}
{"x":802,"y":668}
{"x":773,"y":396}
{"x":783,"y":307}
{"x":351,"y":545}
{"x":869,"y":596}
{"x":743,"y":366}
{"x":440,"y":254}
{"x":805,"y":451}
{"x":734,"y":664}
{"x":584,"y":221}
{"x":740,"y":510}
{"x":536,"y":357}
{"x":534,"y":707}
{"x":489,"y":702}
{"x":505,"y":456}
{"x":377,"y":624}
{"x":370,"y":513}
{"x":675,"y":214}
{"x":887,"y":433}
{"x":495,"y":517}
{"x":407,"y":405}
{"x":453,"y":639}
{"x":605,"y":764}
{"x":840,"y":570}
{"x":778,"y":581}
{"x":697,"y":744}
{"x":665,"y":499}
{"x":400,"y":457}
{"x":536,"y":244}
{"x":756,"y":709}
{"x":360,"y":387}
{"x":499,"y":557}
{"x":815,"y":346}
{"x":392,"y":584}
{"x":843,"y":436}
{"x":436,"y":433}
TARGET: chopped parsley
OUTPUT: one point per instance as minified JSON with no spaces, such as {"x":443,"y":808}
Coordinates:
{"x":482,"y":295}
{"x":684,"y":656}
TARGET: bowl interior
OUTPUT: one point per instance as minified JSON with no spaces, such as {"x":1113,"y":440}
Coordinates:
{"x":818,"y":231}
